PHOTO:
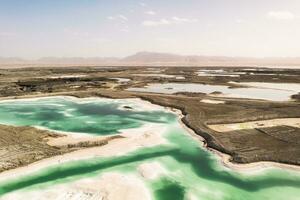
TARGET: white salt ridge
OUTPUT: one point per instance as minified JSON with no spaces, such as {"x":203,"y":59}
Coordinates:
{"x":68,"y":76}
{"x":160,"y":75}
{"x":212,"y":101}
{"x":122,"y":80}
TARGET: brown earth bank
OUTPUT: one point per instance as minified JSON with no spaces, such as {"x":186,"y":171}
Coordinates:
{"x":21,"y":146}
{"x":245,"y":146}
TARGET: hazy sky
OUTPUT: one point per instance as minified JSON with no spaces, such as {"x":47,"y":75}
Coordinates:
{"x":37,"y":28}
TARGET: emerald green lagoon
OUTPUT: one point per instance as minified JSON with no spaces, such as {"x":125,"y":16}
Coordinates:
{"x":192,"y":172}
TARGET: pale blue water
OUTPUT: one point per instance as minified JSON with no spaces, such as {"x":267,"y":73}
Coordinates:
{"x":251,"y":92}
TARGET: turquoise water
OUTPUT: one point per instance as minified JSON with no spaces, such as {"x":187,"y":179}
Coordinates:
{"x":192,"y":172}
{"x":99,"y":117}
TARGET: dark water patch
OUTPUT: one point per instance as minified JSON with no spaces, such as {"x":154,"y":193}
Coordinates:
{"x":168,"y":189}
{"x":47,"y":115}
{"x":96,"y":109}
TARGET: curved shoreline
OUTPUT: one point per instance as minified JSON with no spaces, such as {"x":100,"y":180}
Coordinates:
{"x":223,"y":158}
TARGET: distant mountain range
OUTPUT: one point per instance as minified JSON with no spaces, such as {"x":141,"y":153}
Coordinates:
{"x":153,"y":59}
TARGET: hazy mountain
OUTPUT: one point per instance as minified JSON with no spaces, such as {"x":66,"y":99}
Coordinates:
{"x":11,"y":60}
{"x":153,"y":59}
{"x":148,"y":58}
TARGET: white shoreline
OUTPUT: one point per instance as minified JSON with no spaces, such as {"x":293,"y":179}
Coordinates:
{"x":148,"y":138}
{"x":224,"y":159}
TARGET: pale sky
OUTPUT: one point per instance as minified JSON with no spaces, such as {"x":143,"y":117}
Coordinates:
{"x":100,"y":28}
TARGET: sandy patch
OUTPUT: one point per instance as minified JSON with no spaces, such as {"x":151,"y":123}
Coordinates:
{"x":294,"y":122}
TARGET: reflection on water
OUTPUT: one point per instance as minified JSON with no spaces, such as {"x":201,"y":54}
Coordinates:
{"x":250,"y":92}
{"x":219,"y":72}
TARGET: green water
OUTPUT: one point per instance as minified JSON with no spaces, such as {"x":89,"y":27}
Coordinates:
{"x":99,"y":116}
{"x":193,"y":172}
